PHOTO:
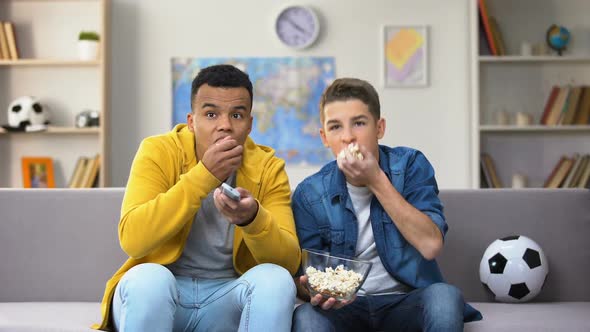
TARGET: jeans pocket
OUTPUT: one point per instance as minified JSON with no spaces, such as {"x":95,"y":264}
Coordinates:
{"x":187,"y":292}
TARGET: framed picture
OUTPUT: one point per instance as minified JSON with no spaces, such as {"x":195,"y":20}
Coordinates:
{"x":405,"y":56}
{"x":38,"y":172}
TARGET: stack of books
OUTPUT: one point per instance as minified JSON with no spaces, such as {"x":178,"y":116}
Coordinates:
{"x":490,"y":37}
{"x":8,"y":49}
{"x":571,"y":172}
{"x":567,"y":105}
{"x":85,"y":173}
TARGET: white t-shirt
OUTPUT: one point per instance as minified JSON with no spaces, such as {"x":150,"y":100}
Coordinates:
{"x":379,"y":281}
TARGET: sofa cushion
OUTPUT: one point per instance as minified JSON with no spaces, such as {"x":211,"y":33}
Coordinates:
{"x":538,"y":317}
{"x":61,"y":244}
{"x":48,"y":316}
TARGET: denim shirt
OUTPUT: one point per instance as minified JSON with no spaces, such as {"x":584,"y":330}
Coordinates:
{"x":325,"y":219}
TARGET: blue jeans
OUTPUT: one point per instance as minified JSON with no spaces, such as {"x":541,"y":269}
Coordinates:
{"x":150,"y":298}
{"x":438,"y":307}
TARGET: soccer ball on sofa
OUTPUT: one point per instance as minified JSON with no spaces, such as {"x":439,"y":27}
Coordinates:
{"x":513,"y":269}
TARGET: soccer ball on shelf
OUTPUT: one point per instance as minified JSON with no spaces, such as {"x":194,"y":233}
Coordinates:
{"x":27,"y":114}
{"x":513,"y":269}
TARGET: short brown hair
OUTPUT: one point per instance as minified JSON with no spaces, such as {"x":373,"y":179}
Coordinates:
{"x":344,"y":89}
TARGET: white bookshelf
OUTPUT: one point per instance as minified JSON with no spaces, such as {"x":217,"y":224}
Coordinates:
{"x":514,"y":83}
{"x":46,"y":34}
{"x":50,"y":62}
{"x":535,"y":129}
{"x":53,"y":130}
{"x":534,"y":58}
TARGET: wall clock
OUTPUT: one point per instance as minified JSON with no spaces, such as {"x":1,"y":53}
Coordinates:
{"x":297,"y":26}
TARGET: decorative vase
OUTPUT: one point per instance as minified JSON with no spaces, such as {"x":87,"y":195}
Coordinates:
{"x":87,"y":50}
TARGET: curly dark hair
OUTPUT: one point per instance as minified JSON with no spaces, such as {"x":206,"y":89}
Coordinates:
{"x":344,"y":89}
{"x":222,"y":76}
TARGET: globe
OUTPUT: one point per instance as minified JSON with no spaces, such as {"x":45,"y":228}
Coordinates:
{"x":557,"y":38}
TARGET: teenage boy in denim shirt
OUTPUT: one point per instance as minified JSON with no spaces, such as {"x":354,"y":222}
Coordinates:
{"x":381,"y":208}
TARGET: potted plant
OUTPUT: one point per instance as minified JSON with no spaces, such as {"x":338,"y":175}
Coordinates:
{"x":88,"y":45}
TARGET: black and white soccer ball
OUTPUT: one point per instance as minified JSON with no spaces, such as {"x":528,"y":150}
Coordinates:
{"x":513,"y":269}
{"x":27,"y":113}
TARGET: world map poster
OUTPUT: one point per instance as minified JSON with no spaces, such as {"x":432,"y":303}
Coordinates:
{"x":286,"y":92}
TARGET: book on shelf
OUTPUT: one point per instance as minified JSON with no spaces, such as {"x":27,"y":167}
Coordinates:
{"x":484,"y":46}
{"x":92,"y":172}
{"x":549,"y":104}
{"x":4,"y":53}
{"x":558,"y":106}
{"x":565,"y":106}
{"x":78,"y":171}
{"x":11,"y":40}
{"x":485,"y":179}
{"x":498,"y":40}
{"x":583,"y":113}
{"x":577,"y":171}
{"x":584,"y":181}
{"x":576,"y":160}
{"x":485,"y":20}
{"x":568,"y":114}
{"x":559,"y":173}
{"x":490,"y":169}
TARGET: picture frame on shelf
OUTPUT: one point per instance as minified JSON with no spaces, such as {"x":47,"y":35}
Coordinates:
{"x":38,"y":172}
{"x":405,"y":56}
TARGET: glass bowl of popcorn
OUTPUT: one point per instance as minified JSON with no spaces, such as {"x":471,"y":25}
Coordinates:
{"x":333,"y":276}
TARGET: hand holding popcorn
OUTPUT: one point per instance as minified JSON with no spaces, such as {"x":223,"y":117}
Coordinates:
{"x":352,"y":150}
{"x":339,"y":283}
{"x":358,"y":165}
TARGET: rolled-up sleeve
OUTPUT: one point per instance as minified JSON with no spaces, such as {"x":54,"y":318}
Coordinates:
{"x":421,"y":190}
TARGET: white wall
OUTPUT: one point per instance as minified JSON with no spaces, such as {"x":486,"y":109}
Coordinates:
{"x":435,"y":119}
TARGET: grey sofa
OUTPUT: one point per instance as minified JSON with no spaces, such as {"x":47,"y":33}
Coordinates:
{"x":58,"y":247}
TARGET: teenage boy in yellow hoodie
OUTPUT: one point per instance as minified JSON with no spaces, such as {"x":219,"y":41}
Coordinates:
{"x":198,"y":260}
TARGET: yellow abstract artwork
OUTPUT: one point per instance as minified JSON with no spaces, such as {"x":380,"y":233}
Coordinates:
{"x":405,"y":56}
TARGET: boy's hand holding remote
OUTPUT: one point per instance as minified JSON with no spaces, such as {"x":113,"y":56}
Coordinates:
{"x":230,"y":192}
{"x":235,"y":204}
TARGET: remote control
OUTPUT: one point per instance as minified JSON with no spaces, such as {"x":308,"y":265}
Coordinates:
{"x":230,"y":192}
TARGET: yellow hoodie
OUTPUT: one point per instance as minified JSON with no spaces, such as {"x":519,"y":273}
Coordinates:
{"x":165,"y":188}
